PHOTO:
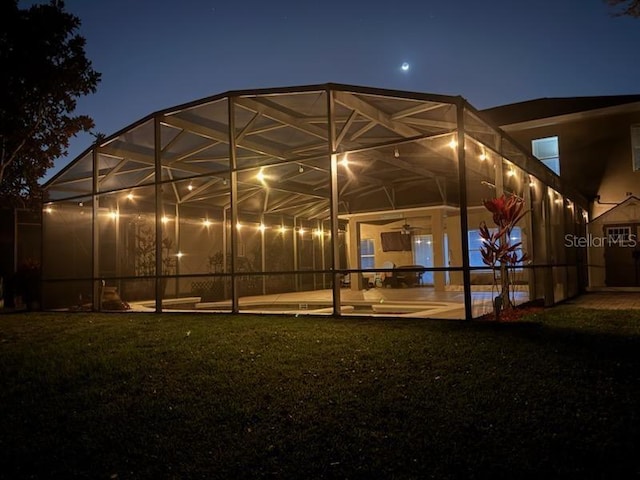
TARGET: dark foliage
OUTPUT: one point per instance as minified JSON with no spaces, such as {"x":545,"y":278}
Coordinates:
{"x":625,"y":7}
{"x":43,"y":70}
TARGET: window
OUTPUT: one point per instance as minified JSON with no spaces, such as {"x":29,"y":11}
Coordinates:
{"x":367,"y":254}
{"x":635,"y":147}
{"x":546,"y":150}
{"x":423,"y":255}
{"x":619,"y":236}
{"x":475,"y":243}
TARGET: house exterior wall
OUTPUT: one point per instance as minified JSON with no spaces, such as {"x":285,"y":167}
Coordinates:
{"x":596,"y":157}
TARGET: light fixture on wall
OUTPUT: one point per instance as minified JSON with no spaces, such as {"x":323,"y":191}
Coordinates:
{"x":300,"y":169}
{"x":190,"y":187}
{"x":396,"y":153}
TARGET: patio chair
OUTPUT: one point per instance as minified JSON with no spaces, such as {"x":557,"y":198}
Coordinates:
{"x":389,"y":279}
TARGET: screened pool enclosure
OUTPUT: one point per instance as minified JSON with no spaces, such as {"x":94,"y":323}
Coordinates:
{"x":325,"y":199}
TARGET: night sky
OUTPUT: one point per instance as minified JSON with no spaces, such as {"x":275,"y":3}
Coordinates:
{"x":154,"y":55}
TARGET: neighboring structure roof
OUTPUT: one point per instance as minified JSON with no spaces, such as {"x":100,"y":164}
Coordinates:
{"x":630,"y":201}
{"x":553,"y":107}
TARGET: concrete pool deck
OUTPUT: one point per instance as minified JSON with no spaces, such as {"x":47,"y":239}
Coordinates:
{"x":417,"y":302}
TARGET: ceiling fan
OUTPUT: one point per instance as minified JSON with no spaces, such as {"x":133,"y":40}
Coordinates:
{"x":407,"y":229}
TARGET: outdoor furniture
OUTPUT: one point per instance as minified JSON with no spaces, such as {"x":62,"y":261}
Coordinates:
{"x":389,"y":279}
{"x":402,"y":276}
{"x":405,"y":275}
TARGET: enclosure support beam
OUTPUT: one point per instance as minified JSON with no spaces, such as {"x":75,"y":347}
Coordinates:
{"x":157,"y":152}
{"x":464,"y":220}
{"x":234,"y":204}
{"x":549,"y":259}
{"x":95,"y":230}
{"x":333,"y":206}
{"x":263,"y":258}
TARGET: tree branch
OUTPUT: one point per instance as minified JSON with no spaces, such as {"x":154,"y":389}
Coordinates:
{"x":6,"y":162}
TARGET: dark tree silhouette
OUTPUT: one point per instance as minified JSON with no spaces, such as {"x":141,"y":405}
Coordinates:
{"x":43,"y":70}
{"x":625,"y":7}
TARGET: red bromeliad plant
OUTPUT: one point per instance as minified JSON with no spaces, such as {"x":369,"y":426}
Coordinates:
{"x":497,"y":250}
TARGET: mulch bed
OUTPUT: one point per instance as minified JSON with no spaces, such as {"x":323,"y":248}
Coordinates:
{"x":516,"y":313}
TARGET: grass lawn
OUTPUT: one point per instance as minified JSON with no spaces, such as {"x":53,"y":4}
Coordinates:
{"x":198,"y":396}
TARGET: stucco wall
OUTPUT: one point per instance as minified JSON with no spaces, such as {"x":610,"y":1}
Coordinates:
{"x":596,"y":157}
